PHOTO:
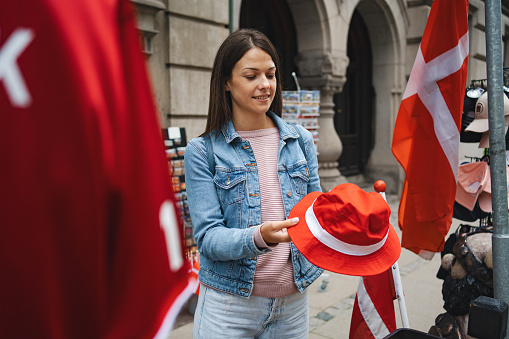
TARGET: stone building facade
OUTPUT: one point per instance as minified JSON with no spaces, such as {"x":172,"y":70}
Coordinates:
{"x":358,"y":53}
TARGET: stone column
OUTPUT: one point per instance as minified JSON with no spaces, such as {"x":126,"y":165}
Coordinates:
{"x":322,"y":71}
{"x":329,"y":143}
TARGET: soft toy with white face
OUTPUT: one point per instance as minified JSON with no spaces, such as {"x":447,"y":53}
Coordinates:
{"x":470,"y":275}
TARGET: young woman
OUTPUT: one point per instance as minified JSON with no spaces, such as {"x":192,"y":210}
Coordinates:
{"x":243,"y":177}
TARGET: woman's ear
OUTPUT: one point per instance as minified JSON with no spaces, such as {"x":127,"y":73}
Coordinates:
{"x":227,"y":87}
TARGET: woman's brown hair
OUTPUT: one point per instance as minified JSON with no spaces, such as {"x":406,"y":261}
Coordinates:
{"x":231,"y":51}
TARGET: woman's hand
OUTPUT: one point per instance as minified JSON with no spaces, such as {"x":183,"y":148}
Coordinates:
{"x":274,"y":232}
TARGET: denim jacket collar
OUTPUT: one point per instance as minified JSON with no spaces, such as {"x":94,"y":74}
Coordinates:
{"x":285,"y":131}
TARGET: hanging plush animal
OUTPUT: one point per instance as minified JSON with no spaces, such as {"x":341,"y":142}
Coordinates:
{"x":470,"y":275}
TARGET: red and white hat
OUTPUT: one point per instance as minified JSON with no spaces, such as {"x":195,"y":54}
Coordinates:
{"x":346,"y":231}
{"x":480,"y":123}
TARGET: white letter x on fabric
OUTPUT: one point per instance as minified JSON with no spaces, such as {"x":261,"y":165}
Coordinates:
{"x":10,"y":73}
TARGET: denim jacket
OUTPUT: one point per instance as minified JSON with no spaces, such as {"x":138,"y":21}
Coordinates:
{"x":225,"y":205}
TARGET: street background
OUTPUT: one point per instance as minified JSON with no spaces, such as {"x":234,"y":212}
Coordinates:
{"x":331,"y":311}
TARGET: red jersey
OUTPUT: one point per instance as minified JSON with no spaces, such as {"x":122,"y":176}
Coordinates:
{"x":90,"y":245}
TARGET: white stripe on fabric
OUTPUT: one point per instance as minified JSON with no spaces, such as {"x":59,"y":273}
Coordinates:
{"x":375,"y":323}
{"x":423,"y":82}
{"x":330,"y":241}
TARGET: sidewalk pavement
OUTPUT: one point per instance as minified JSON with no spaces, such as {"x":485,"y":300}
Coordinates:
{"x":331,"y":311}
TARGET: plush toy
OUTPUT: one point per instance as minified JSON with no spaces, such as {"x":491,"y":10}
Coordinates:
{"x":470,"y":275}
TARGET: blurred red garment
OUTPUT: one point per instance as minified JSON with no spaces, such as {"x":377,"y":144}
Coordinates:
{"x":90,"y":244}
{"x":195,"y":270}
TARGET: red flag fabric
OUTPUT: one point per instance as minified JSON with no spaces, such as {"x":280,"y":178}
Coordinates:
{"x":195,"y":269}
{"x":373,"y":311}
{"x":90,"y":245}
{"x":426,"y":135}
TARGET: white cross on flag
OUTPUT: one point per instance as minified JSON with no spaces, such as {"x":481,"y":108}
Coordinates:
{"x":426,"y":136}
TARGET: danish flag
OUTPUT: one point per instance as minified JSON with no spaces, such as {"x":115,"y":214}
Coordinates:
{"x":373,"y":311}
{"x":426,"y":135}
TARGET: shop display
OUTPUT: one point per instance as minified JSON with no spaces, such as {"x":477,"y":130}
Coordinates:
{"x":175,"y":144}
{"x":302,"y":108}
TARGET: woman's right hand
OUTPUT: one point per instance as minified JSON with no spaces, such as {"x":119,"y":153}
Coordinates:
{"x":274,"y":232}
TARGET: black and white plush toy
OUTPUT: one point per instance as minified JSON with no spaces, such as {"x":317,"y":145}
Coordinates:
{"x":469,"y":275}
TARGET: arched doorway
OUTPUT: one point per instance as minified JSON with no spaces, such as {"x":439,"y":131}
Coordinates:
{"x":275,"y":20}
{"x":354,"y":105}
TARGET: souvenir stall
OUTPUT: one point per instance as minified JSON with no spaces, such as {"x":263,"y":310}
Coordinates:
{"x":467,"y":263}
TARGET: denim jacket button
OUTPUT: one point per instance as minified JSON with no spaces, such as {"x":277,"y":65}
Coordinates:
{"x":289,"y":194}
{"x":304,"y":283}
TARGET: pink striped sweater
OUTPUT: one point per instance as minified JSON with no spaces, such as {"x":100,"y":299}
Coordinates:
{"x":274,"y":271}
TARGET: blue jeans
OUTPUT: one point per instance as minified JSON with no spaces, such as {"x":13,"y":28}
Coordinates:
{"x":220,"y":315}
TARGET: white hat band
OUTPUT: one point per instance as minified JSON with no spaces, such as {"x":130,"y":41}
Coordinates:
{"x":340,"y":246}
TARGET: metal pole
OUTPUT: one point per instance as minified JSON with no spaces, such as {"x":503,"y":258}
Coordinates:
{"x":398,"y":285}
{"x":494,"y":68}
{"x":400,"y":295}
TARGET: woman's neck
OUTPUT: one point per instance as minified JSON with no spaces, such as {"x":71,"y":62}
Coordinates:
{"x":250,"y":123}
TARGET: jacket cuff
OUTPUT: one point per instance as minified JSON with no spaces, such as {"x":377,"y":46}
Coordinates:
{"x":250,"y":243}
